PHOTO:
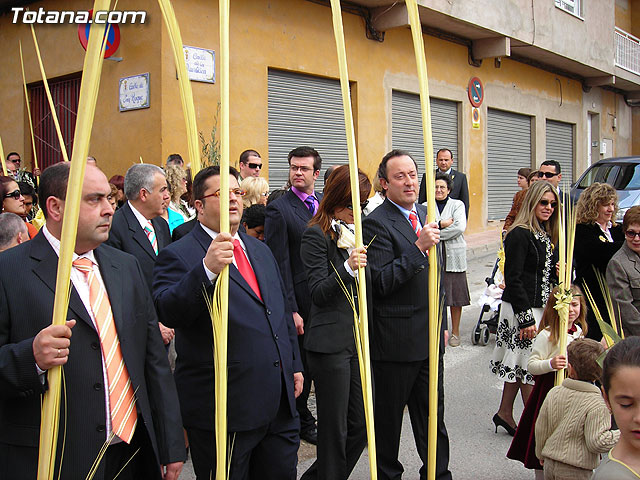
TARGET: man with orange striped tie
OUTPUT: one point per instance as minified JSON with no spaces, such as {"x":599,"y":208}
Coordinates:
{"x":117,"y":384}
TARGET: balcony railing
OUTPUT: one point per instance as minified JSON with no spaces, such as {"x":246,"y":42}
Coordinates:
{"x":627,"y":51}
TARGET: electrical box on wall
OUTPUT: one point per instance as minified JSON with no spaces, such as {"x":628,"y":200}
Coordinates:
{"x":606,"y":147}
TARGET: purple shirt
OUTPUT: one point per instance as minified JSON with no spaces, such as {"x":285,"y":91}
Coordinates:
{"x":303,"y":196}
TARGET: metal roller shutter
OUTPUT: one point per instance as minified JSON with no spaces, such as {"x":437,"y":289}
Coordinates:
{"x":406,"y":126}
{"x":304,"y":110}
{"x":509,"y":149}
{"x":560,"y":147}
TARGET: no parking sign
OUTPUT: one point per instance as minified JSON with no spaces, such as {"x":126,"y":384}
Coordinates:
{"x":112,"y":36}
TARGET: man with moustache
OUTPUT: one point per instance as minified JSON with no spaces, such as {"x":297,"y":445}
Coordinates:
{"x":114,"y":359}
{"x":264,"y":368}
{"x":399,"y":240}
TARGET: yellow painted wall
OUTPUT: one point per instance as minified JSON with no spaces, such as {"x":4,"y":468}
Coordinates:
{"x":635,"y":145}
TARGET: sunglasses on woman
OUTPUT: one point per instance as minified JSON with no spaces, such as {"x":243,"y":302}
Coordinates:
{"x":546,"y":203}
{"x":630,"y":234}
{"x":363,"y":205}
{"x":15,"y":195}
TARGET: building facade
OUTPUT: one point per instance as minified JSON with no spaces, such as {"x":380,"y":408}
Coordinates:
{"x":559,"y":80}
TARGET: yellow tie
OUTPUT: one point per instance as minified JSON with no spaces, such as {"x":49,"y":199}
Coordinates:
{"x":121,"y":398}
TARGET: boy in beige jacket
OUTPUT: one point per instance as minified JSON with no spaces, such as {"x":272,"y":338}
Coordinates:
{"x":574,"y":424}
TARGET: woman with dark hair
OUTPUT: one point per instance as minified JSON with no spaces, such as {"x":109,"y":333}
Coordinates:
{"x":330,"y":257}
{"x":597,"y":239}
{"x":13,"y":201}
{"x":452,"y":221}
{"x":529,"y":266}
{"x":118,"y":181}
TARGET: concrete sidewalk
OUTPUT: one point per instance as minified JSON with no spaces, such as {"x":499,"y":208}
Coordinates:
{"x":482,"y":243}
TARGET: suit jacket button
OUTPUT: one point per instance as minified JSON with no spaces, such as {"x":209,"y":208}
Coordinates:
{"x":268,"y":312}
{"x":97,"y":386}
{"x":95,"y":346}
{"x":275,"y":337}
{"x":100,"y":428}
{"x":276,"y":364}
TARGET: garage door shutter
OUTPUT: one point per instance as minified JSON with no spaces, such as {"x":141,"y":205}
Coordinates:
{"x":560,"y":147}
{"x":304,"y":110}
{"x":509,"y":149}
{"x":406,"y":126}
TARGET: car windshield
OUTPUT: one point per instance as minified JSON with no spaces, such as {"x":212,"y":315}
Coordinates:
{"x":622,"y":176}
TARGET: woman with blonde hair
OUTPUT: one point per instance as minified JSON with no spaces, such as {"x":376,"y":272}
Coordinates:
{"x":178,"y":211}
{"x":598,"y":238}
{"x":528,"y":270}
{"x":256,"y":191}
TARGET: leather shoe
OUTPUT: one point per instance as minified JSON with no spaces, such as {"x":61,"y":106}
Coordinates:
{"x":310,"y":436}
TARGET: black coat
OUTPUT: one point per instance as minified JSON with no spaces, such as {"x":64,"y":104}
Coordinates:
{"x":399,"y":279}
{"x":592,"y":252}
{"x":127,"y":235}
{"x":31,"y":267}
{"x":459,"y":191}
{"x":529,"y":270}
{"x":330,"y":323}
{"x":262,"y":343}
{"x":285,"y":221}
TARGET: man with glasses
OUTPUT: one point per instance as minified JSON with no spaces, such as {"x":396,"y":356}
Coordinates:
{"x":550,"y":171}
{"x":13,"y":166}
{"x":250,"y":164}
{"x":285,"y":222}
{"x":265,"y":372}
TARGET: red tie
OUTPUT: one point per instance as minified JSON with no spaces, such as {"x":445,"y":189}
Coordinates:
{"x":414,"y":222}
{"x":245,"y":267}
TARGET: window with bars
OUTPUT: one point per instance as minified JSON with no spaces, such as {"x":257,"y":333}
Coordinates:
{"x":65,"y":94}
{"x":572,"y":6}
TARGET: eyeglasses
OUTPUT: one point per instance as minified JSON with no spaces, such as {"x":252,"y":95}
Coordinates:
{"x":15,"y":160}
{"x":254,"y":165}
{"x":236,"y":191}
{"x":547,"y":174}
{"x":630,"y":234}
{"x":295,"y":168}
{"x":546,"y":203}
{"x":15,"y":195}
{"x":363,"y":205}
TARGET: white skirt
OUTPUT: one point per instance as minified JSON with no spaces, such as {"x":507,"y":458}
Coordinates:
{"x":511,"y":355}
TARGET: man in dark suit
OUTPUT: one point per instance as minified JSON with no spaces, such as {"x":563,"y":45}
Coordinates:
{"x":397,"y":256}
{"x":137,"y":226}
{"x":30,"y":345}
{"x":460,"y":190}
{"x":285,"y":221}
{"x":263,"y":358}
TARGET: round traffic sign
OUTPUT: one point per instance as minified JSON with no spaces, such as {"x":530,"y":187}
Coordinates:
{"x":112,"y":36}
{"x":476,"y":92}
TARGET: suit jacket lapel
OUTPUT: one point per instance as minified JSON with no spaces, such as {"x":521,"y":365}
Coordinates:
{"x":46,"y":269}
{"x":255,"y":259}
{"x":111,"y":276}
{"x":299,"y":207}
{"x":138,"y":233}
{"x":400,"y":222}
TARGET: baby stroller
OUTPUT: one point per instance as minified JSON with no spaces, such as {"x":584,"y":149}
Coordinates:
{"x":489,"y":302}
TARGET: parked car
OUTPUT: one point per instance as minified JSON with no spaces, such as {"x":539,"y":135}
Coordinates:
{"x":622,"y":173}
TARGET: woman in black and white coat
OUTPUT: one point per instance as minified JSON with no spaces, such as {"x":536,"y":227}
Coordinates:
{"x":529,"y":269}
{"x":330,"y":257}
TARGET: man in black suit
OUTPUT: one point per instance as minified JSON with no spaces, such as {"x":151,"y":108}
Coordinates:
{"x":137,"y":226}
{"x":397,"y":256}
{"x":285,"y":221}
{"x":265,"y":372}
{"x":30,"y":345}
{"x":460,"y":190}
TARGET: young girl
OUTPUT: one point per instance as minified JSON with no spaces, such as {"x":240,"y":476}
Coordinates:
{"x":621,"y":384}
{"x":544,"y":360}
